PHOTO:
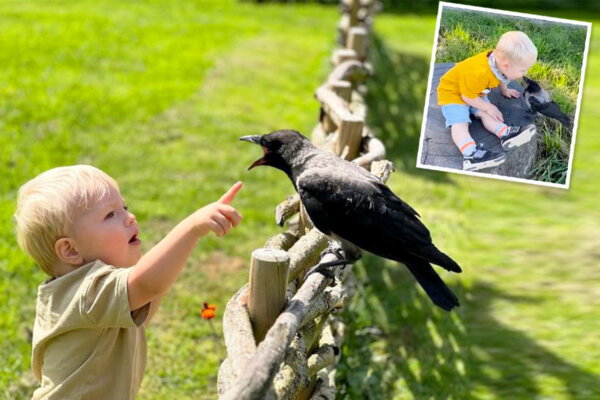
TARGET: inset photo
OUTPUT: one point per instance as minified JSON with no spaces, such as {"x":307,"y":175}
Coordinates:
{"x":503,"y":95}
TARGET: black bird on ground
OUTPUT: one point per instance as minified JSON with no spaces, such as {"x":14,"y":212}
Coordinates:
{"x":539,"y":101}
{"x":349,"y":204}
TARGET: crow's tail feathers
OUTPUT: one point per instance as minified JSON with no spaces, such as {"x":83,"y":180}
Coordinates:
{"x":436,"y":257}
{"x":433,"y":285}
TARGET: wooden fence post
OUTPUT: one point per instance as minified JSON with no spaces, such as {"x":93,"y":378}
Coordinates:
{"x":357,"y":41}
{"x":353,"y":6}
{"x":350,"y":130}
{"x":268,"y":284}
{"x":342,"y":89}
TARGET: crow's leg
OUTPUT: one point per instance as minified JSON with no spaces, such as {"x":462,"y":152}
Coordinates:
{"x":339,"y":251}
{"x":351,"y":252}
{"x":333,"y":248}
{"x":326,"y":268}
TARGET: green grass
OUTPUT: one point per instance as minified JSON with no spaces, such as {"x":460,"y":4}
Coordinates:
{"x":558,"y":70}
{"x":157,"y":94}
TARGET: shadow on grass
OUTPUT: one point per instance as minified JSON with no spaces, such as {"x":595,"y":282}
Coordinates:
{"x":399,"y":344}
{"x":397,"y":341}
{"x":395,"y":100}
{"x":509,"y":363}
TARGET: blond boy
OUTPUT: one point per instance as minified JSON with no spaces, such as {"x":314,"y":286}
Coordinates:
{"x":89,"y":338}
{"x":463,"y":92}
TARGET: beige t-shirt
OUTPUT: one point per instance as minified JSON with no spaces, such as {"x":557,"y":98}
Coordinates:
{"x":86,"y":342}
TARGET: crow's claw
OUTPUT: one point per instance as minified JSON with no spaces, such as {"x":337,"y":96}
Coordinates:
{"x":334,"y":249}
{"x":326,"y":269}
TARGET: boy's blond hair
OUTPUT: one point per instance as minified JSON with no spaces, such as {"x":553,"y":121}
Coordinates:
{"x":45,"y":207}
{"x":515,"y":46}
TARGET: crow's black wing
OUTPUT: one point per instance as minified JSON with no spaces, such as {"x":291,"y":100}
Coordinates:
{"x":535,"y":104}
{"x":362,"y":210}
{"x":550,"y":109}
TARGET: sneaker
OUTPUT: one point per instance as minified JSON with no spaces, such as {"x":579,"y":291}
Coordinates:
{"x":482,"y":158}
{"x":517,"y":136}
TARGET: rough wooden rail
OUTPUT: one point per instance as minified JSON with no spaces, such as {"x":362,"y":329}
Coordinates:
{"x":282,"y":330}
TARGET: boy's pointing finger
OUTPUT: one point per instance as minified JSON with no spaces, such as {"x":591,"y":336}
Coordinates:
{"x":227,"y":198}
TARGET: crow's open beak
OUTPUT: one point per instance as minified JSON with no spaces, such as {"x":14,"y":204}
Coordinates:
{"x":251,"y":138}
{"x":256,"y":140}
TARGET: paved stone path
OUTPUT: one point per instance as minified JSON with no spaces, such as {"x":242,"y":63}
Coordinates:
{"x":439,"y":150}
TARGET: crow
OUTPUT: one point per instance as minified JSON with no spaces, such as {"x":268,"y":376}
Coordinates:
{"x":352,"y":206}
{"x":539,"y":101}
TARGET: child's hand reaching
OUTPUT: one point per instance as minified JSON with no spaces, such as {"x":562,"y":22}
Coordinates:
{"x":510,"y":93}
{"x":219,"y":216}
{"x":157,"y":270}
{"x":494,"y":112}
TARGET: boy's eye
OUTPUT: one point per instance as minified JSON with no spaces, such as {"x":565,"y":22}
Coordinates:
{"x":110,"y":215}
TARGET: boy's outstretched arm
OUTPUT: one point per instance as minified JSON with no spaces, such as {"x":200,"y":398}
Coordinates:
{"x":157,"y":270}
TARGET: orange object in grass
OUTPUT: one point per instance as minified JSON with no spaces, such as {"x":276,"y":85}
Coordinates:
{"x":208,"y":312}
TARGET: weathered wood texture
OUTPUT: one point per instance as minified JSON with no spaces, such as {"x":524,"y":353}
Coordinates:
{"x":357,"y":41}
{"x":268,"y":284}
{"x":286,"y":209}
{"x":255,"y":378}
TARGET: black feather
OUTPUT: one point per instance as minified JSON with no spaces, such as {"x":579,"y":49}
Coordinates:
{"x":433,"y":285}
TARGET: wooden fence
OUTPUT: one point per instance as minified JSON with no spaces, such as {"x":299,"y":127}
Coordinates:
{"x":282,"y":329}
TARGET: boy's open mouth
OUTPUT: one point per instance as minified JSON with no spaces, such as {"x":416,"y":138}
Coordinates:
{"x":134,"y":239}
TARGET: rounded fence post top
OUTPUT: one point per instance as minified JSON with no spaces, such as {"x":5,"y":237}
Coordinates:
{"x":271,"y":255}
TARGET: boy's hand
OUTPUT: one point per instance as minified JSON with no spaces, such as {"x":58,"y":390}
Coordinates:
{"x":494,"y":112}
{"x":219,"y":216}
{"x":510,"y":93}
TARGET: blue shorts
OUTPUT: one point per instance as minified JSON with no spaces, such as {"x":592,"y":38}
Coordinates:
{"x":457,"y":113}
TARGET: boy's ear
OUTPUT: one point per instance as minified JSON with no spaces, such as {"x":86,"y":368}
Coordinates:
{"x":66,"y":251}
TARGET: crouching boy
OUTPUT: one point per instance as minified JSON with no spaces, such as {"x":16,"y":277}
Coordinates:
{"x":462,"y":92}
